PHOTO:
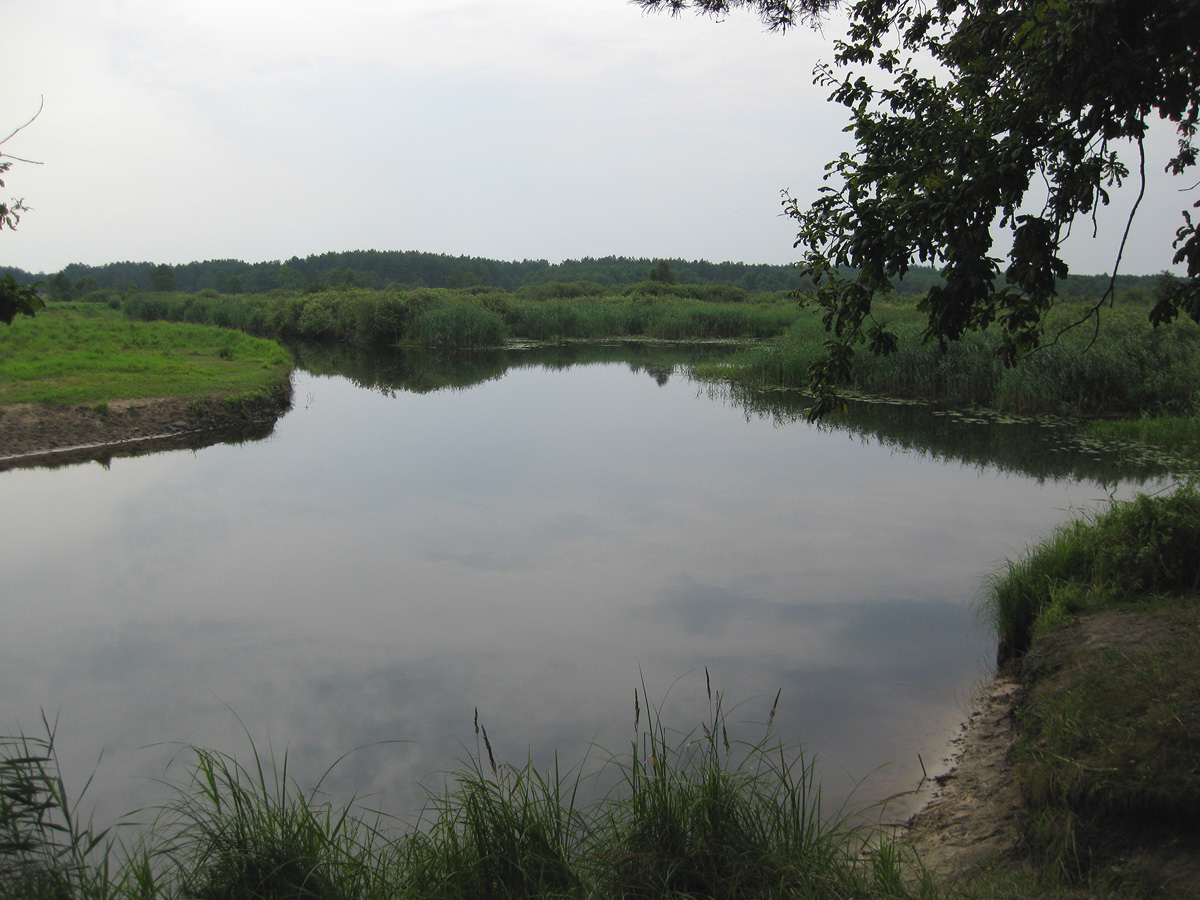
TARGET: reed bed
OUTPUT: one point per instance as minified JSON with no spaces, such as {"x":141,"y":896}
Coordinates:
{"x":1126,"y":368}
{"x":474,"y":318}
{"x":696,"y":814}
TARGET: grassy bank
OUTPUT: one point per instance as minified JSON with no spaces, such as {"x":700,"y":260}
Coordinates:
{"x":90,"y":354}
{"x":692,"y":815}
{"x":1102,"y":620}
{"x":1127,"y":369}
{"x":1180,"y":434}
{"x":1144,"y":548}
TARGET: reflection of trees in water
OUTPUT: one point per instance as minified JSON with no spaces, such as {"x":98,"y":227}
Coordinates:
{"x":417,"y":371}
{"x":1041,"y":449}
{"x":420,"y":370}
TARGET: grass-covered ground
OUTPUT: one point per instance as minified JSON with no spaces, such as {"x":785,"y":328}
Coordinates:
{"x":88,"y":353}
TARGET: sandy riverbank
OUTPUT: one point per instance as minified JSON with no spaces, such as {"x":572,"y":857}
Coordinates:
{"x":972,"y":824}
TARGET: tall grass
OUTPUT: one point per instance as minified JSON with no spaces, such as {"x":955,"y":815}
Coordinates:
{"x":90,"y":354}
{"x":482,"y":318}
{"x":696,"y":814}
{"x":44,"y":848}
{"x":250,"y":832}
{"x":1127,"y":368}
{"x":1146,"y":546}
{"x":703,"y":816}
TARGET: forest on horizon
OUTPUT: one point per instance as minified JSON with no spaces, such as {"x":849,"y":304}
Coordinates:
{"x":408,"y":269}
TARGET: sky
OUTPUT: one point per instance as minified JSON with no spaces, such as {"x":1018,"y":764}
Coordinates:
{"x":180,"y":130}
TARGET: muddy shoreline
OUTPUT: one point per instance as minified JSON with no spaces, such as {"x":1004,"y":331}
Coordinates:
{"x":970,"y":822}
{"x":33,"y":435}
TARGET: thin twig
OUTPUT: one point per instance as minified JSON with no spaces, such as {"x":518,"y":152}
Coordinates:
{"x":41,"y":103}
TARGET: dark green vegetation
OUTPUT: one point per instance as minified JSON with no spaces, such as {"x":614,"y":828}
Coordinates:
{"x":1026,"y":119}
{"x":16,"y":297}
{"x":1147,"y":547}
{"x":1103,"y":623}
{"x":481,"y":318}
{"x":403,"y":270}
{"x":1129,"y":368}
{"x":1178,"y":432}
{"x":91,"y":354}
{"x":693,"y":815}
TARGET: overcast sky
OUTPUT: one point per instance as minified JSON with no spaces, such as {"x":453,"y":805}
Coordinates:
{"x":176,"y":130}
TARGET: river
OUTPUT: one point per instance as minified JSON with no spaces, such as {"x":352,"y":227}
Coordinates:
{"x":533,"y":542}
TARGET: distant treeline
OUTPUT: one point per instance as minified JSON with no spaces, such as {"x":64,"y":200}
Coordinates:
{"x":411,"y":269}
{"x":406,"y":269}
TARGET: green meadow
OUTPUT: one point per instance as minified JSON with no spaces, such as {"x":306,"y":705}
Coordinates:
{"x":87,"y":353}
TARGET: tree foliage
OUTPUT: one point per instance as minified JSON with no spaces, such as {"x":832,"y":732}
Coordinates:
{"x":409,"y":269}
{"x":162,"y":278}
{"x":973,"y":117}
{"x":15,"y":298}
{"x":662,"y":272}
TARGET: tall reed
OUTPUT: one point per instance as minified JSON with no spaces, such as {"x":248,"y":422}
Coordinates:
{"x":692,"y":814}
{"x":45,"y":848}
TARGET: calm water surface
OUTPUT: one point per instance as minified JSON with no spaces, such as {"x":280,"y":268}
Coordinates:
{"x":536,"y":546}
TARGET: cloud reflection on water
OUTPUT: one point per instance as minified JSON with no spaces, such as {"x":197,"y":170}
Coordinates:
{"x":533,"y":547}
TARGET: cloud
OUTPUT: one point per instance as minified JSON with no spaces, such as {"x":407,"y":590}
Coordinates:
{"x":260,"y":129}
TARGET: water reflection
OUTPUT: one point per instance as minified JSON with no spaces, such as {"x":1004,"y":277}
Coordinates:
{"x":104,"y":454}
{"x":419,"y":370}
{"x":1043,"y":448}
{"x":535,"y":546}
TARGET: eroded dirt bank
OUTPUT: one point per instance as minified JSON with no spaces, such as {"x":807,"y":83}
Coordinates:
{"x":34,"y":435}
{"x":972,"y":825}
